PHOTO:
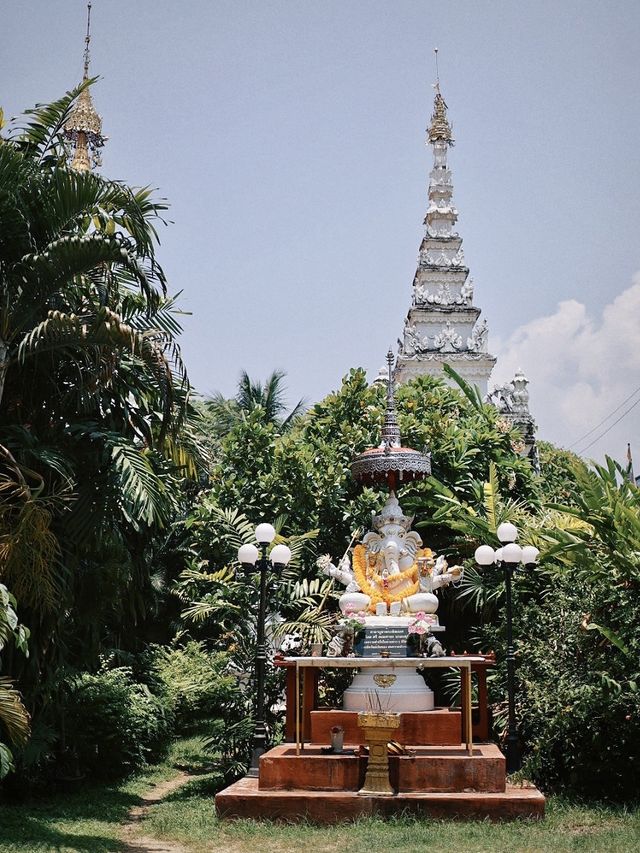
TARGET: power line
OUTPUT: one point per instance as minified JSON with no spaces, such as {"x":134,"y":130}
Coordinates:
{"x":617,"y":421}
{"x":604,"y":420}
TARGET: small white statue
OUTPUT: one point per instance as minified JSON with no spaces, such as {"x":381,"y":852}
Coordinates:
{"x":466,"y":292}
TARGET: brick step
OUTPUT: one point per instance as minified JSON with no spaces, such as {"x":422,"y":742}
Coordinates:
{"x":245,"y":800}
{"x":440,"y":727}
{"x":427,"y":769}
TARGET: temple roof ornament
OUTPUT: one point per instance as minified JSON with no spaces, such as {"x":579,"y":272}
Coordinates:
{"x":440,"y":129}
{"x":83,"y":128}
{"x":512,"y":402}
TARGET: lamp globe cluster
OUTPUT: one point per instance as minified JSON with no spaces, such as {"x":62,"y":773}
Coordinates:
{"x":508,"y":557}
{"x":265,"y":533}
{"x":510,"y":552}
{"x":256,"y":560}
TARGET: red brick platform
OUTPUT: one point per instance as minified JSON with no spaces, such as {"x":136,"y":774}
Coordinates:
{"x":245,"y":800}
{"x":436,"y":778}
{"x":423,"y":728}
{"x":430,"y":769}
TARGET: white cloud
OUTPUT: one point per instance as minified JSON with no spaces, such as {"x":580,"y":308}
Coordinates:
{"x":581,"y":368}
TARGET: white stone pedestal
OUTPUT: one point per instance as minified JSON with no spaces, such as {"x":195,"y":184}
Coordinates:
{"x":406,"y":691}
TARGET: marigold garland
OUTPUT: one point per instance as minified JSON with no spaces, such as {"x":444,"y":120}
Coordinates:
{"x":384,"y":594}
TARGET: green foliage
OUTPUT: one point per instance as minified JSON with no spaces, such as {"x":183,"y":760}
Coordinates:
{"x":305,"y":474}
{"x":116,"y":725}
{"x":97,"y":446}
{"x":196,"y":682}
{"x":14,"y":717}
{"x":559,"y":467}
{"x":577,"y":639}
{"x":221,"y":605}
{"x":579,"y":704}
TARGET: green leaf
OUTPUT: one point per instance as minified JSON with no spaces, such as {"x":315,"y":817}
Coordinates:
{"x":611,"y":636}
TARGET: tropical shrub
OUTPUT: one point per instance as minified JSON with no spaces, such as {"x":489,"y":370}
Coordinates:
{"x":197,"y":683}
{"x":114,"y":724}
{"x":576,"y":632}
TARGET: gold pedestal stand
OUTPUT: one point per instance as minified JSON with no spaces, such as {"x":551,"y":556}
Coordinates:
{"x":378,"y":729}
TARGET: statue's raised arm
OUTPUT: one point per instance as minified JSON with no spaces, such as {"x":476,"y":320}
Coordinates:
{"x":443,"y":575}
{"x":342,"y":572}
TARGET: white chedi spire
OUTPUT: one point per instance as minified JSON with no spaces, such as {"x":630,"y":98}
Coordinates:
{"x":442,"y":323}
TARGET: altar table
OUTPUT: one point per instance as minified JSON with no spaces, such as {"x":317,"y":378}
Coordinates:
{"x":462,"y":662}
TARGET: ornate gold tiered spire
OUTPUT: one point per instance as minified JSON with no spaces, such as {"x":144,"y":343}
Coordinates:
{"x":83,"y":128}
{"x":439,"y":127}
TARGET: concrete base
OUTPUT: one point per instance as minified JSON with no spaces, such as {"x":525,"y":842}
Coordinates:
{"x":245,"y":800}
{"x":423,"y":728}
{"x":408,"y":692}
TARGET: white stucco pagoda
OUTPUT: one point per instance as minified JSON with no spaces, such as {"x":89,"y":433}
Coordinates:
{"x":443,"y":325}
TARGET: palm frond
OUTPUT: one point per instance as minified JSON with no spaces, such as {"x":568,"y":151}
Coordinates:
{"x":471,"y":392}
{"x":14,"y":717}
{"x":40,"y":137}
{"x":144,"y":500}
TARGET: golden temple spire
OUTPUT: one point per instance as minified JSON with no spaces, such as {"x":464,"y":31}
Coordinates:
{"x":83,"y":128}
{"x":439,"y":129}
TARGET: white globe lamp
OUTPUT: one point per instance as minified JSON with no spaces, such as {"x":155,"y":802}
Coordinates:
{"x":265,"y":533}
{"x":507,"y":532}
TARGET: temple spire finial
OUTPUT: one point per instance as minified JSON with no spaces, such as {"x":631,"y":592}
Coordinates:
{"x":83,"y":128}
{"x":87,"y":41}
{"x":390,"y":429}
{"x":439,"y":129}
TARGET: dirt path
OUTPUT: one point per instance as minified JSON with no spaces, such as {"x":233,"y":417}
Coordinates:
{"x":143,"y":844}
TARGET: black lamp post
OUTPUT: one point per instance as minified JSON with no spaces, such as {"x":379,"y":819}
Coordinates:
{"x":508,"y":558}
{"x":256,"y":561}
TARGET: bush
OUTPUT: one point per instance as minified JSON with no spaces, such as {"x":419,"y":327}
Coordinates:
{"x":580,"y":710}
{"x":115,"y":724}
{"x":194,"y":681}
{"x":577,"y":697}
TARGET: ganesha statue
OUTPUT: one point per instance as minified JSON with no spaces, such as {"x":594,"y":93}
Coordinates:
{"x":390,"y":573}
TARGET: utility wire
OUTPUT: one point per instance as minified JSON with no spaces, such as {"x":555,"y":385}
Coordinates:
{"x":604,"y":420}
{"x":617,"y":421}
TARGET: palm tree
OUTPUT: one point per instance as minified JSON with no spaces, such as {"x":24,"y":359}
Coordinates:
{"x":89,"y":362}
{"x":95,"y":413}
{"x":251,"y":395}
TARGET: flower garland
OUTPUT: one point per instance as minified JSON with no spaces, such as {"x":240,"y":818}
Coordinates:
{"x":378,"y":588}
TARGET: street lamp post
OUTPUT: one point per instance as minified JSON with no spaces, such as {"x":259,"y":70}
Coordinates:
{"x":254,"y":560}
{"x":508,"y":558}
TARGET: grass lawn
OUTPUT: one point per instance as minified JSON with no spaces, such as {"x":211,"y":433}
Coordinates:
{"x":90,"y":818}
{"x":187,"y":816}
{"x":90,"y":821}
{"x":85,"y":820}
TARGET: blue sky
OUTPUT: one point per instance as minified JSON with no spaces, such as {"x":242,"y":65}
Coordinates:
{"x":289,"y":139}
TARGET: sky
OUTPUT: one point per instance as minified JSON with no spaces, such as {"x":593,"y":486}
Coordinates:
{"x":288,"y":137}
